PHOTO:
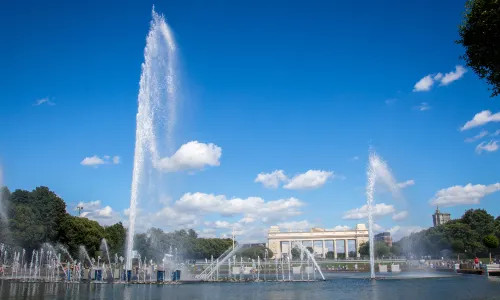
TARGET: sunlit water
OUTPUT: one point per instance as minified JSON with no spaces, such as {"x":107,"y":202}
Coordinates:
{"x":456,"y":288}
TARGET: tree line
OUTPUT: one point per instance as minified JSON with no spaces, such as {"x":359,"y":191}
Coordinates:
{"x":474,"y":234}
{"x":28,"y":219}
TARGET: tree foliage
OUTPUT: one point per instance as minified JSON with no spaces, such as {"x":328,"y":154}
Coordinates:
{"x":381,"y":249}
{"x":462,"y":236}
{"x":480,"y":36}
{"x":39,"y":216}
{"x":257,"y":251}
{"x":491,"y":241}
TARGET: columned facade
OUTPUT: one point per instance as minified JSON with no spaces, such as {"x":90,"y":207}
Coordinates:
{"x":281,"y":242}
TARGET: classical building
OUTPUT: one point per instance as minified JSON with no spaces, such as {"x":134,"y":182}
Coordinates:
{"x":384,"y":237}
{"x":321,"y":240}
{"x":439,"y":218}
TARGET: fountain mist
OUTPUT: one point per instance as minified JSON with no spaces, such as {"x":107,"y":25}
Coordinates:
{"x":156,"y":110}
{"x":377,"y":171}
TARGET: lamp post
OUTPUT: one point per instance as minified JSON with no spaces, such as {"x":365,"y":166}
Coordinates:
{"x":233,"y":235}
{"x":79,"y":208}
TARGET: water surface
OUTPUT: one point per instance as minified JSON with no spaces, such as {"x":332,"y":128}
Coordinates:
{"x":452,"y":287}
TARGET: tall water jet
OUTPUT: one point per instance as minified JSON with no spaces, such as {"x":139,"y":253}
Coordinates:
{"x":156,"y":110}
{"x":377,"y":171}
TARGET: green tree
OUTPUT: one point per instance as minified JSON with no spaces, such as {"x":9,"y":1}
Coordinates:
{"x":116,"y":236}
{"x":295,"y":253}
{"x":480,"y":36}
{"x":396,"y":250}
{"x":254,"y":252}
{"x":491,"y":242}
{"x":364,"y":249}
{"x":381,"y":249}
{"x":76,"y":231}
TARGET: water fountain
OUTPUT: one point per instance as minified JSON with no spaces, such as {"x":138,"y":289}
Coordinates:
{"x":377,"y":171}
{"x":157,"y":93}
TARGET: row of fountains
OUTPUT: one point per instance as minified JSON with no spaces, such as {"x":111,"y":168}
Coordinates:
{"x":54,"y":264}
{"x":304,"y":269}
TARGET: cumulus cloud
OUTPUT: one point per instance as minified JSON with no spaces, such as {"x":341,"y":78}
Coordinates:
{"x":406,"y":183}
{"x":378,"y":210}
{"x":271,"y":180}
{"x":400,"y":215}
{"x":192,"y":156}
{"x":44,"y":101}
{"x":251,"y":207}
{"x":461,"y":195}
{"x":296,"y":225}
{"x":398,"y":232}
{"x":425,"y":84}
{"x":477,"y":137}
{"x":453,"y":75}
{"x":341,"y":227}
{"x":490,"y":146}
{"x":95,"y":161}
{"x":104,"y":215}
{"x":481,"y":119}
{"x":311,"y":179}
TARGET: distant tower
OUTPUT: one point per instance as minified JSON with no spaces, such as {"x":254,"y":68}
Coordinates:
{"x":439,"y":218}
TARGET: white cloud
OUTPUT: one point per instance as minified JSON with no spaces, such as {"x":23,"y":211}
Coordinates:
{"x":406,"y":183}
{"x":45,"y":101}
{"x":400,"y":215}
{"x":423,"y":106}
{"x":311,"y":179}
{"x":355,"y":158}
{"x":398,"y":232}
{"x":477,"y":137}
{"x":424,"y":84}
{"x":192,"y":156}
{"x":490,"y":146}
{"x":481,"y":119}
{"x":460,"y":195}
{"x":271,"y":180}
{"x":207,"y":233}
{"x":105,"y":212}
{"x":453,"y":75}
{"x":95,"y":161}
{"x":88,"y":206}
{"x":496,"y":133}
{"x":378,"y":210}
{"x":341,"y":227}
{"x":295,"y":225}
{"x":251,"y":207}
{"x":92,"y":210}
{"x":377,"y":228}
{"x":92,"y":161}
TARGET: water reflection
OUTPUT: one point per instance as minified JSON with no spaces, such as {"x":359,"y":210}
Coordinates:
{"x":456,"y":288}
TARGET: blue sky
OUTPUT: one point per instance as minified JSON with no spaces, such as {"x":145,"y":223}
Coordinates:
{"x":276,"y":86}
